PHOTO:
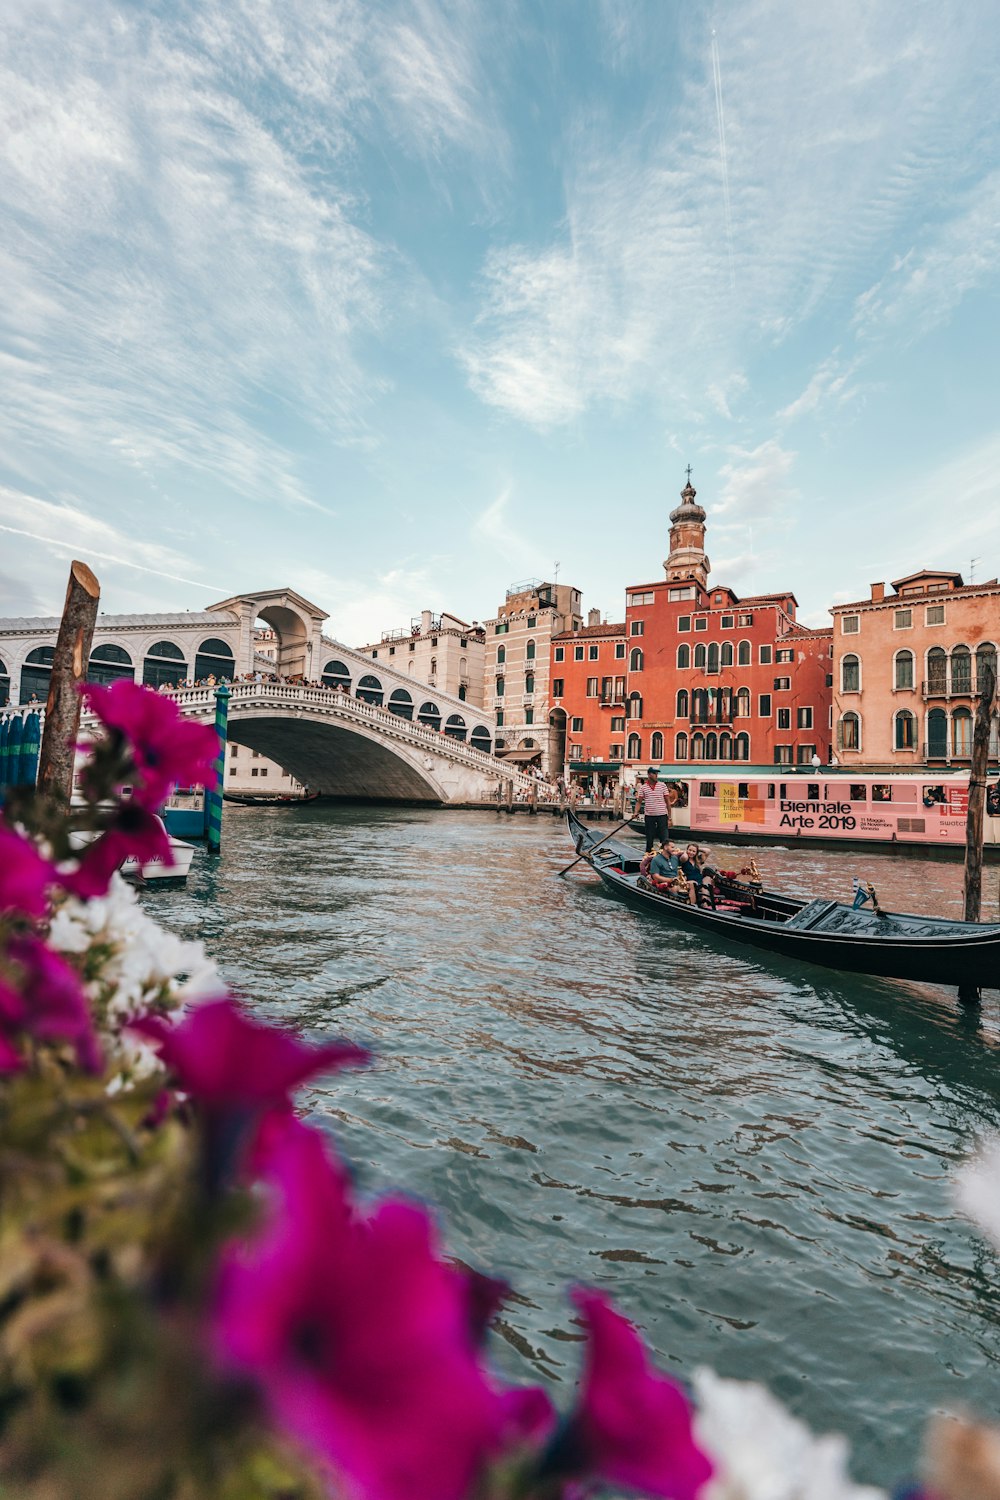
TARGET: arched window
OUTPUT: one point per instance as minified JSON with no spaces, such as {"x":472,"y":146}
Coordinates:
{"x":529,"y":651}
{"x":634,"y":747}
{"x":937,"y":669}
{"x":725,"y":747}
{"x":635,"y":660}
{"x":455,"y":727}
{"x":849,"y":732}
{"x":850,"y":675}
{"x":697,"y":747}
{"x":683,"y":656}
{"x":937,"y":734}
{"x":699,"y":706}
{"x":961,"y":670}
{"x":700,"y":655}
{"x":656,"y":746}
{"x":743,"y":654}
{"x":961,"y":732}
{"x":480,"y":738}
{"x":529,"y":682}
{"x":164,"y":663}
{"x":214,"y":659}
{"x":462,"y":692}
{"x":501,"y":655}
{"x":711,"y":746}
{"x":336,"y":675}
{"x":743,"y":704}
{"x":904,"y":671}
{"x":4,"y":685}
{"x":726,"y":655}
{"x":401,"y":703}
{"x":681,"y":747}
{"x":986,"y":656}
{"x":369,"y":690}
{"x":434,"y":667}
{"x":713,"y":656}
{"x":905,"y":737}
{"x":682,"y":704}
{"x":108,"y":664}
{"x":430,"y":715}
{"x":741,"y":747}
{"x":35,"y":674}
{"x":634,"y":706}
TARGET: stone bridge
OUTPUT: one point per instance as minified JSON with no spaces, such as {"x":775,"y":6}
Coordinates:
{"x":345,"y":747}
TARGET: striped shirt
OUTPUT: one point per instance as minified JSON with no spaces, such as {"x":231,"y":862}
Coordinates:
{"x":654,"y":799}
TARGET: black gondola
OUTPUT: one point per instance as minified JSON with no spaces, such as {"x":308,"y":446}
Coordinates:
{"x":892,"y":945}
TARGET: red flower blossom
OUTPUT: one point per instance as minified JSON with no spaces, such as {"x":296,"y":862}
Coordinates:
{"x":358,"y":1336}
{"x":165,"y":748}
{"x":24,"y":875}
{"x":42,"y":996}
{"x":632,"y":1425}
{"x":134,"y":834}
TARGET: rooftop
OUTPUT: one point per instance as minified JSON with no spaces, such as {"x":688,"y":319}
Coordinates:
{"x":575,"y":635}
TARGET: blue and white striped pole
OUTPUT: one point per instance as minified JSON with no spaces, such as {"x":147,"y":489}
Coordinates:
{"x":213,"y":799}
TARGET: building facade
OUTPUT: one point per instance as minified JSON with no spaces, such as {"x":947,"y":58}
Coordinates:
{"x":588,"y":692}
{"x":907,"y":670}
{"x":440,"y":650}
{"x":517,"y":669}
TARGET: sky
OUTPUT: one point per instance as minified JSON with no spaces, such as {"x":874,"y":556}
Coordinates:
{"x":401,"y":302}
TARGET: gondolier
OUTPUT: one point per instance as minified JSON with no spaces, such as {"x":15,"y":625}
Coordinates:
{"x":655,"y":808}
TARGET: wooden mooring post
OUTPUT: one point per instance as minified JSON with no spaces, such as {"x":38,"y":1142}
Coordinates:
{"x":970,"y":994}
{"x":70,"y":660}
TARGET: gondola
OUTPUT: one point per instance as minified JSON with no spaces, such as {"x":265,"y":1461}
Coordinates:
{"x":892,"y":945}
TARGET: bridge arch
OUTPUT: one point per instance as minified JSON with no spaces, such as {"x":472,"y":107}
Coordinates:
{"x":455,"y":727}
{"x":400,"y":703}
{"x":430,"y":715}
{"x":369,"y":690}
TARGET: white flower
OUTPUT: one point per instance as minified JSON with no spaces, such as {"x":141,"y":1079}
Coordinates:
{"x":977,"y":1190}
{"x":762,"y":1452}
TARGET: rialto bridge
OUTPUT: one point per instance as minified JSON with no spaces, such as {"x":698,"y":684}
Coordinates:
{"x":349,"y":728}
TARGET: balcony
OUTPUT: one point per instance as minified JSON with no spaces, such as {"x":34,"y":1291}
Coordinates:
{"x":955,"y":687}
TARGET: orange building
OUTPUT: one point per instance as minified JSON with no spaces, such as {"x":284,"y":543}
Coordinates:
{"x":906,"y":670}
{"x":587,"y":688}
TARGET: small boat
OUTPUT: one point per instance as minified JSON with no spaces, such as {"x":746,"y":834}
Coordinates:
{"x":151,"y":871}
{"x":891,"y":945}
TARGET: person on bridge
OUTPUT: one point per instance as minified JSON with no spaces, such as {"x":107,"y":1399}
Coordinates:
{"x":652,"y":797}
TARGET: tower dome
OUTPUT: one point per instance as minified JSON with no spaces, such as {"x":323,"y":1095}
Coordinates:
{"x":688,"y":561}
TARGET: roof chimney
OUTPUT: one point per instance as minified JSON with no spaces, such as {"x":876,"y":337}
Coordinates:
{"x":878,"y":593}
{"x":593,"y":617}
{"x":425,"y":620}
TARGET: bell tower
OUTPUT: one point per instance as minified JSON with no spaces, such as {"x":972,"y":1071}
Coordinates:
{"x":688,"y":562}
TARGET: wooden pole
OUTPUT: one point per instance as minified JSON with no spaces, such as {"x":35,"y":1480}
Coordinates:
{"x":69,"y":668}
{"x":986,"y":686}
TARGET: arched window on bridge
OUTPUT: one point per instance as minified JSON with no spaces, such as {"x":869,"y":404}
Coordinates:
{"x":4,"y":685}
{"x":109,"y":663}
{"x":430,"y":715}
{"x":480,"y":738}
{"x":336,"y":675}
{"x":455,"y":727}
{"x":369,"y":690}
{"x":164,"y":665}
{"x":401,"y":703}
{"x":35,"y":674}
{"x":214,"y":659}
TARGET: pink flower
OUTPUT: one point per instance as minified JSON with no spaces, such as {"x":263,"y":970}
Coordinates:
{"x":42,"y":997}
{"x":164,"y":747}
{"x":632,"y":1425}
{"x":358,"y":1335}
{"x":134,"y":834}
{"x":24,"y":875}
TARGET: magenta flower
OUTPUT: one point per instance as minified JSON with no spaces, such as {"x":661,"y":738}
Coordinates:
{"x":24,"y":875}
{"x":134,"y":834}
{"x":632,"y":1425}
{"x":42,"y":997}
{"x":165,"y":748}
{"x":357,"y":1334}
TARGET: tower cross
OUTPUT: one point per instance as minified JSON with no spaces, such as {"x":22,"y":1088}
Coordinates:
{"x":689,"y":473}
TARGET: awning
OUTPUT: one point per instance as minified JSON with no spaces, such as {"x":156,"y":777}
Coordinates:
{"x":519,"y":755}
{"x":607,"y":766}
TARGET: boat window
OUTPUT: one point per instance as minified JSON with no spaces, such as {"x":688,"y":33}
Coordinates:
{"x":708,"y":789}
{"x":934,"y":795}
{"x":858,"y":793}
{"x":742,"y":789}
{"x":770,"y":791}
{"x":881,"y":792}
{"x":812,"y":791}
{"x":783,"y":791}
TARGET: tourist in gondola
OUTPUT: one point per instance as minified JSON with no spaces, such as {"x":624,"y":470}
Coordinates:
{"x":664,"y":867}
{"x":653,"y":799}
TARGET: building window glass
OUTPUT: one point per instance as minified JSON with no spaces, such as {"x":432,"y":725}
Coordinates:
{"x":904,"y":670}
{"x":765,"y":656}
{"x":593,"y":687}
{"x":656,"y":747}
{"x":637,"y":627}
{"x":743,"y":654}
{"x":903,"y":619}
{"x":743,"y":703}
{"x":849,"y":732}
{"x":682,"y":704}
{"x":728,"y":621}
{"x":529,"y":682}
{"x":726,"y":655}
{"x":961,"y":670}
{"x":578,"y":653}
{"x":500,"y":687}
{"x":634,"y":747}
{"x":529,"y":716}
{"x":689,"y":592}
{"x":785,"y":654}
{"x":557,"y":687}
{"x":501,"y":655}
{"x":701,"y":622}
{"x":764,"y":705}
{"x":681,"y":747}
{"x":805,"y":718}
{"x":906,"y":731}
{"x":698,"y":747}
{"x":784,"y":718}
{"x":850,"y":675}
{"x":616,"y":752}
{"x":531,"y":622}
{"x":961,"y":733}
{"x":745,"y":620}
{"x":593,"y":652}
{"x":782,"y":684}
{"x":741,"y":747}
{"x":782,"y":755}
{"x":712,"y":664}
{"x":934,"y":614}
{"x":618,"y":724}
{"x":937,"y":734}
{"x":500,"y":628}
{"x":560,"y":653}
{"x":683,"y":622}
{"x":850,"y":624}
{"x":576,"y":726}
{"x":633,"y":708}
{"x":619,"y":650}
{"x":635,"y":660}
{"x":683,"y":657}
{"x":700,"y":655}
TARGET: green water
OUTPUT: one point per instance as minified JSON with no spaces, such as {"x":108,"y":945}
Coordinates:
{"x":754,"y":1156}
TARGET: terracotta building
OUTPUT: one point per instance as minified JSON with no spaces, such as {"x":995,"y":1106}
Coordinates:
{"x":517,"y":670}
{"x":588,"y":690}
{"x":711,"y":676}
{"x":906,"y":670}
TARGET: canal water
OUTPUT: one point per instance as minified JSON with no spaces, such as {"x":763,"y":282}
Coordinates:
{"x":755,"y":1157}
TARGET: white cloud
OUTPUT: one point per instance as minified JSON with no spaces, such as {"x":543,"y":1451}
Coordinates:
{"x":829,"y":382}
{"x":756,"y":484}
{"x":721,"y":394}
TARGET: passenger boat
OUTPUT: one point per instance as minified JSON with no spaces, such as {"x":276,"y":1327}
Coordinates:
{"x":151,"y":871}
{"x":270,"y":799}
{"x":924,"y":812}
{"x":892,"y":945}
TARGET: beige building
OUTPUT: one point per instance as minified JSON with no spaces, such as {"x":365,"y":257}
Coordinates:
{"x":518,"y":642}
{"x":440,"y":650}
{"x":906,"y":670}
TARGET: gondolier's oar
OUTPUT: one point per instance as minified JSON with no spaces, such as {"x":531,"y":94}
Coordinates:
{"x":604,"y":840}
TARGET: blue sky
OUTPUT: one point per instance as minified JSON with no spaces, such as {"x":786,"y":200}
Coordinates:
{"x":402,"y":301}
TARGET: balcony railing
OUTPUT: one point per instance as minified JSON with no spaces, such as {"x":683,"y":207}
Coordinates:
{"x":953,"y":687}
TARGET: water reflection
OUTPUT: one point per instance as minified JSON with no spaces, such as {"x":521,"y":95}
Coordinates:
{"x":752,"y":1154}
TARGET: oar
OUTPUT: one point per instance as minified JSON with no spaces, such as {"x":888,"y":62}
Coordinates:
{"x":590,"y":851}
